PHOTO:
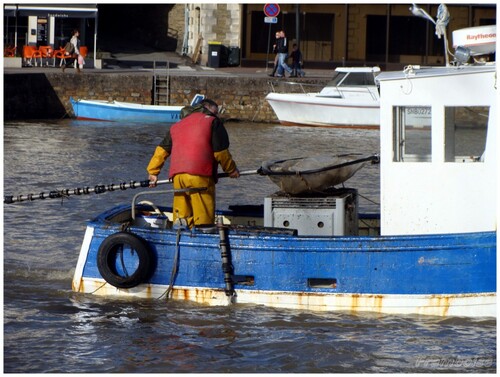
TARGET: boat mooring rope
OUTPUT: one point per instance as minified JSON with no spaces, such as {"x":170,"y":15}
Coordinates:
{"x":102,"y":285}
{"x":174,"y":267}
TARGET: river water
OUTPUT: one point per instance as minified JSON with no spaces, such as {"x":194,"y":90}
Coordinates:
{"x":50,"y":329}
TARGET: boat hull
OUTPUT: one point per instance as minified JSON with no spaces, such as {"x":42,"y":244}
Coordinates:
{"x":124,"y":112}
{"x":456,"y":305}
{"x":444,"y":275}
{"x":309,"y":109}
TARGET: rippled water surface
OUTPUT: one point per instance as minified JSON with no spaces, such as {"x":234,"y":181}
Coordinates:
{"x":50,"y":329}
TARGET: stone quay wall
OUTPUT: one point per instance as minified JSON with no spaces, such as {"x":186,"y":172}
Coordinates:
{"x":46,"y":95}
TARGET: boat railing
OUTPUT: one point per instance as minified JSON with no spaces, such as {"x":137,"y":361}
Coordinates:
{"x":278,"y":87}
{"x":158,"y":192}
{"x":340,"y":92}
{"x":298,"y":87}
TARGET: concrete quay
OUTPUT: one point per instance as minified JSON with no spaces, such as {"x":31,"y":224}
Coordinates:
{"x":44,"y":92}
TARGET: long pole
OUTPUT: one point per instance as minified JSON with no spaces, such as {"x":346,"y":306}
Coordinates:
{"x":268,"y":43}
{"x":297,"y":24}
{"x":95,"y":38}
{"x":15,"y":35}
{"x":98,"y":189}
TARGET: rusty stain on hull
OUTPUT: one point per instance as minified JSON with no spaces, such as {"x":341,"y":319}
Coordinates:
{"x":359,"y":127}
{"x":435,"y":305}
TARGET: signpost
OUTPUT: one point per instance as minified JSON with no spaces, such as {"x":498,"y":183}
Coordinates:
{"x":271,"y":11}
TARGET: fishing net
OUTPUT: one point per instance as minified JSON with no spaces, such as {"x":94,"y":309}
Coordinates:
{"x":314,"y":174}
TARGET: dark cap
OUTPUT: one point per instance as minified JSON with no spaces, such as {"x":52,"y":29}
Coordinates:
{"x":209,"y":102}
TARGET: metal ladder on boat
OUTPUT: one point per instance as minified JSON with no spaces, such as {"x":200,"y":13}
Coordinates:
{"x":161,"y":85}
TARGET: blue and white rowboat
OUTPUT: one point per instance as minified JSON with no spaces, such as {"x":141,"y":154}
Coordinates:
{"x":115,"y":111}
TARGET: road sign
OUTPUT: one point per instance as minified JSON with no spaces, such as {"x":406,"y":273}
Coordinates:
{"x":271,"y":20}
{"x":271,"y":10}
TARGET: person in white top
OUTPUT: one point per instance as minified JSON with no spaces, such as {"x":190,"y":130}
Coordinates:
{"x":74,"y":53}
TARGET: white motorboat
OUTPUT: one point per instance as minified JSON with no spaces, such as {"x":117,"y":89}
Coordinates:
{"x":350,"y":99}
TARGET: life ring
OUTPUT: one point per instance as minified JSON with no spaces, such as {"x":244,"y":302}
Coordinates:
{"x":125,"y":260}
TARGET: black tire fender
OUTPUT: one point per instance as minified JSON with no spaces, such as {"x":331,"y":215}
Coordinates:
{"x":112,"y":248}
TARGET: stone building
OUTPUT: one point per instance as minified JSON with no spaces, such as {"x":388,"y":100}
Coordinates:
{"x":199,"y":24}
{"x":378,"y":34}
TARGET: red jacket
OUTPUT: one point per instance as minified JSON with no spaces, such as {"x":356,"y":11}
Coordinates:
{"x":192,"y":150}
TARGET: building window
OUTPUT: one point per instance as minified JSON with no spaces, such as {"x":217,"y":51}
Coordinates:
{"x":261,"y":34}
{"x":317,"y":36}
{"x":316,"y":33}
{"x":407,"y":36}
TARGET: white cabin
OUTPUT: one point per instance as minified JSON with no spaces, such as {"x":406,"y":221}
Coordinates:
{"x":351,"y":83}
{"x":439,"y":158}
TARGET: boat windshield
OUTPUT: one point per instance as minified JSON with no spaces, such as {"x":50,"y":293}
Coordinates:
{"x":352,"y":79}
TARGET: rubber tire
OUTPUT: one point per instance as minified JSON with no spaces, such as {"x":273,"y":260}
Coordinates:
{"x":106,"y":257}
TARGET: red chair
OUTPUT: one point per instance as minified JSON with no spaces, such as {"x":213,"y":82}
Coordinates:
{"x":28,"y":52}
{"x":10,"y":51}
{"x":84,"y":51}
{"x":60,"y":54}
{"x":37,"y":54}
{"x":47,"y":53}
{"x":83,"y":54}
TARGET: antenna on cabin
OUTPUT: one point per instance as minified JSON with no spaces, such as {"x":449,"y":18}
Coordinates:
{"x":442,"y":20}
{"x":419,"y":12}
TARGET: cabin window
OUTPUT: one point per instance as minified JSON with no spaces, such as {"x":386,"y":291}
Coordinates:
{"x":352,"y":79}
{"x":465,"y":133}
{"x":359,"y":78}
{"x":337,"y":78}
{"x":412,"y":134}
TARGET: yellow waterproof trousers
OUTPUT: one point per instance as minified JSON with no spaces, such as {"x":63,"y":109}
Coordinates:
{"x":198,"y":208}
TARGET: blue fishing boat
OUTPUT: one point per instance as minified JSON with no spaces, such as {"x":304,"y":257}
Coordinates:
{"x":430,"y":251}
{"x":115,"y":111}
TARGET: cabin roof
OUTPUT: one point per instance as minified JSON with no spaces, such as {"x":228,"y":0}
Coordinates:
{"x":357,"y":69}
{"x":416,"y":71}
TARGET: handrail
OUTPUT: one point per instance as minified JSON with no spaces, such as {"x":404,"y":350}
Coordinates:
{"x":302,"y":85}
{"x":347,"y":90}
{"x":341,"y":90}
{"x":186,"y":190}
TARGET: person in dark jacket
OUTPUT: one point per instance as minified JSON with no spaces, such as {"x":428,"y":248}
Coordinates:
{"x":196,"y":144}
{"x":282,"y":48}
{"x":275,"y":51}
{"x":296,"y":56}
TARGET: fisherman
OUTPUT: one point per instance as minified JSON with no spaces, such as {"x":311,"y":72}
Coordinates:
{"x":196,"y":144}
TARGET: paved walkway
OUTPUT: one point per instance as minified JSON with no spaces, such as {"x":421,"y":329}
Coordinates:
{"x":177,"y":66}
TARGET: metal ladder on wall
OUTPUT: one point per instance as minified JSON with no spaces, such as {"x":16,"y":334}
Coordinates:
{"x":161,"y":85}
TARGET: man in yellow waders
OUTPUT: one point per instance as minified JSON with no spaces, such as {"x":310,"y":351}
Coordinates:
{"x":196,"y":144}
